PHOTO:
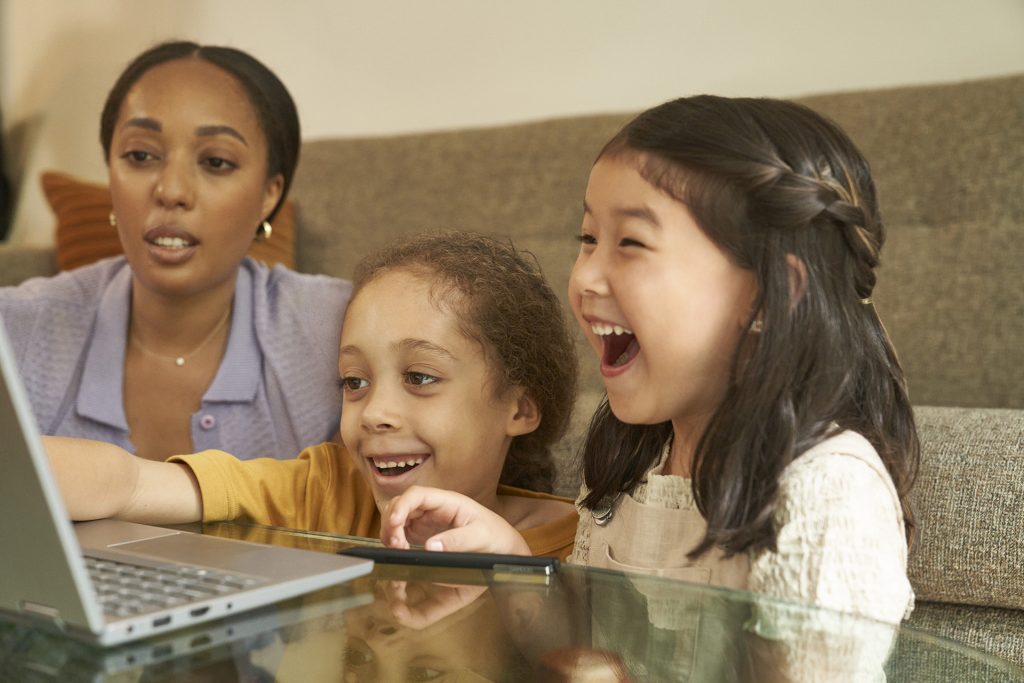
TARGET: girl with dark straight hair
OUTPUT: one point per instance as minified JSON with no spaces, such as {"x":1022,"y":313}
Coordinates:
{"x":757,"y":431}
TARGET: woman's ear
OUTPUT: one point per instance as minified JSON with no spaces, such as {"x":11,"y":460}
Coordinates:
{"x":797,"y":279}
{"x":526,"y":416}
{"x":272,"y":193}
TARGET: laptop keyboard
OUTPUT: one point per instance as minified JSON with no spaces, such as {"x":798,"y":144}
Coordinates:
{"x":127,"y":589}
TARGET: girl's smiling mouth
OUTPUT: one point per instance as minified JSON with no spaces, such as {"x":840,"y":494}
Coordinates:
{"x":394,"y":466}
{"x":619,"y":345}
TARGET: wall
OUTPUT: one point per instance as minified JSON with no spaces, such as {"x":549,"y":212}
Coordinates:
{"x":392,"y":66}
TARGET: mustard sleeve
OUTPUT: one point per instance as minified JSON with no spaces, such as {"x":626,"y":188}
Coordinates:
{"x":317,"y":491}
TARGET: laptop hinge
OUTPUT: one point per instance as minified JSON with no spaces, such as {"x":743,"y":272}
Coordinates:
{"x":46,"y":612}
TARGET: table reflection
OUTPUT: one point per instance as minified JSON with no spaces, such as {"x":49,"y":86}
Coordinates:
{"x":404,"y":623}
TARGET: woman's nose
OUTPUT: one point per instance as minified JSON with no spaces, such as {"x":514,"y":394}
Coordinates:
{"x":176,"y":185}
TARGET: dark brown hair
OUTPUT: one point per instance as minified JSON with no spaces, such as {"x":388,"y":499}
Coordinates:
{"x":506,"y":306}
{"x":765,"y":179}
{"x":275,"y":109}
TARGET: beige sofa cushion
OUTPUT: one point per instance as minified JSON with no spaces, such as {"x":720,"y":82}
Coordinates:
{"x":969,"y":499}
{"x":948,"y":162}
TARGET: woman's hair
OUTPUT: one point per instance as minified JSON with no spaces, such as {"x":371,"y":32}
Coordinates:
{"x":504,"y":304}
{"x":766,"y":179}
{"x":275,"y":109}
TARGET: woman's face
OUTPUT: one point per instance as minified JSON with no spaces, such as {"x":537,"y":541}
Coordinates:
{"x":188,"y":177}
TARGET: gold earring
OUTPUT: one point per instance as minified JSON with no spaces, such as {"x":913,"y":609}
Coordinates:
{"x":265,"y":230}
{"x":113,"y":220}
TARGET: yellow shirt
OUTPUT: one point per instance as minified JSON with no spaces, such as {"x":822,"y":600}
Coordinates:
{"x":322,"y":490}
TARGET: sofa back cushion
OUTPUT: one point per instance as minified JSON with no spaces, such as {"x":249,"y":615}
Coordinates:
{"x":969,"y":502}
{"x":948,"y":162}
{"x":525,"y":182}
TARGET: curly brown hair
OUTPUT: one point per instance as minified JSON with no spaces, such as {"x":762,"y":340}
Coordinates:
{"x":504,"y":304}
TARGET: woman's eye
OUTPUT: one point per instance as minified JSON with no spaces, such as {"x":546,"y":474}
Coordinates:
{"x":353,"y":383}
{"x":219,"y":164}
{"x":630,"y":242}
{"x":137,"y":155}
{"x":419,"y":379}
{"x":586,"y":239}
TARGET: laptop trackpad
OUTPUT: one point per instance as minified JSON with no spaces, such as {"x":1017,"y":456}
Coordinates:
{"x":108,"y":533}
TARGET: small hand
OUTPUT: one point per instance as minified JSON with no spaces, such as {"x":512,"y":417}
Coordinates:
{"x":419,"y":605}
{"x":445,"y":520}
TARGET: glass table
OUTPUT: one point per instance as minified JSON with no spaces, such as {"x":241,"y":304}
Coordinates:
{"x":415,"y":623}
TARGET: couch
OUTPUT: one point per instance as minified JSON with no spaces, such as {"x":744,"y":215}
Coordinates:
{"x":949,"y":164}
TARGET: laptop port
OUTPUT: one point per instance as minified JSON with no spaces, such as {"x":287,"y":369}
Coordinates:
{"x":199,"y":611}
{"x":200,"y":641}
{"x":161,"y":621}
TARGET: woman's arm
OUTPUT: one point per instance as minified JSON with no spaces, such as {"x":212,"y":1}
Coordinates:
{"x":98,"y":479}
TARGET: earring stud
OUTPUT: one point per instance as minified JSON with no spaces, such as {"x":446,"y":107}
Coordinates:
{"x":113,"y":220}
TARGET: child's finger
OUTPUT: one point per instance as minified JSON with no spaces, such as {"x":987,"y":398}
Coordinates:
{"x":418,"y":501}
{"x":465,"y":539}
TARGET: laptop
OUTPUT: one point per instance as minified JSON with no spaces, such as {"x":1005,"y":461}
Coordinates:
{"x":111,"y":582}
{"x":36,"y":654}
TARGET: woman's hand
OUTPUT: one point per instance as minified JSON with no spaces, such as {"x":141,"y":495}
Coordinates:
{"x":445,"y":520}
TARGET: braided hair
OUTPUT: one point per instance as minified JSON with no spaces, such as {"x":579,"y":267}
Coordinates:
{"x":773,"y":183}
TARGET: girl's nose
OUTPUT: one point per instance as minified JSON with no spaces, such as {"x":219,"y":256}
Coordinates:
{"x":175,"y":187}
{"x":379,"y":413}
{"x":588,"y":275}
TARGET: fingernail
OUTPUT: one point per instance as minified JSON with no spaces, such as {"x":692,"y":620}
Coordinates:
{"x":434,"y":544}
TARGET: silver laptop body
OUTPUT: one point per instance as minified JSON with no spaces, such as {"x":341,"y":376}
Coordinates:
{"x":43,"y":571}
{"x":37,"y":654}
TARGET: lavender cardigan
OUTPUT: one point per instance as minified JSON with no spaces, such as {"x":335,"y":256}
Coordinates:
{"x":275,"y":393}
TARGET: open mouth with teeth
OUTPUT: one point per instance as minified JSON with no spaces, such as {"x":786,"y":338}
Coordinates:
{"x":167,"y":242}
{"x":620,"y":344}
{"x":393,"y":467}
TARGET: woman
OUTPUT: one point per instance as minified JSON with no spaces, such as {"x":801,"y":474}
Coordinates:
{"x":185,"y":344}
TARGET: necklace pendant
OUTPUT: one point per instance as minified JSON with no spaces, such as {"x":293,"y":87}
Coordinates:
{"x":179,"y":361}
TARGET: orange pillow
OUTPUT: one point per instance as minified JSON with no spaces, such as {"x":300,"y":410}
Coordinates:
{"x":84,"y":233}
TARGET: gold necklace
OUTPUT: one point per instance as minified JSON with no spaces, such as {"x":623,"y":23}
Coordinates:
{"x":180,"y":360}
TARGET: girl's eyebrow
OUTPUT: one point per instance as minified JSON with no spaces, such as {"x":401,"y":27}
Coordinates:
{"x":405,"y":345}
{"x":424,"y":345}
{"x":644,"y":213}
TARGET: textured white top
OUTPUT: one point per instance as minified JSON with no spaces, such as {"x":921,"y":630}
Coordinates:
{"x":841,"y":540}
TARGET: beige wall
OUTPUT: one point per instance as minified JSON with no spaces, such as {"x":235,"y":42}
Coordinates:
{"x":383,"y":66}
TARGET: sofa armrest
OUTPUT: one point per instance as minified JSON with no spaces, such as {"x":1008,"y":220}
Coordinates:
{"x":969,"y":500}
{"x":18,"y":263}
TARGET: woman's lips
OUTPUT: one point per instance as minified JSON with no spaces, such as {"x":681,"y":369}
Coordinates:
{"x":170,"y":245}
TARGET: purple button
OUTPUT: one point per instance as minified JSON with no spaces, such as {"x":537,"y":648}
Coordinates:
{"x":207,"y":422}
